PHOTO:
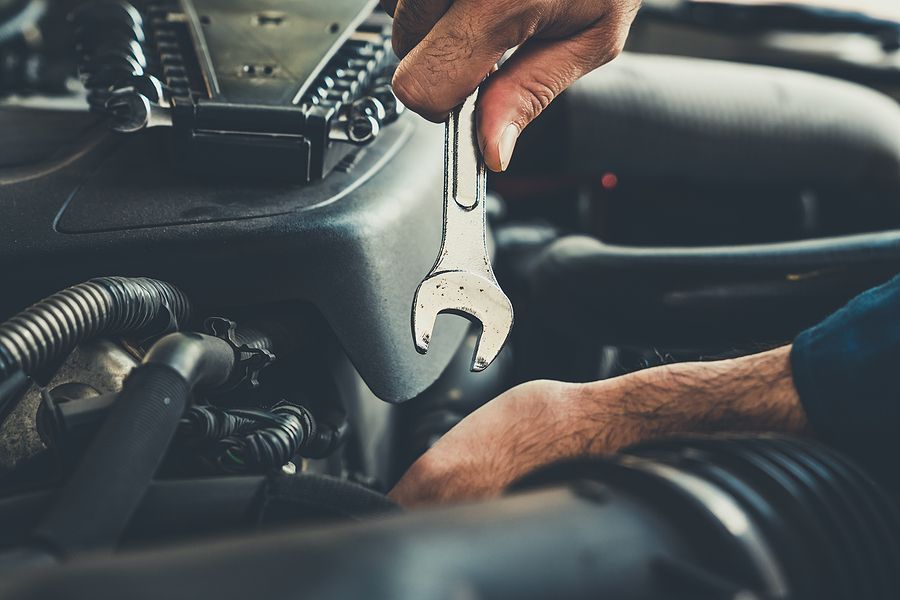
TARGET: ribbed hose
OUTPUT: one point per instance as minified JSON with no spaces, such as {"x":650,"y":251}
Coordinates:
{"x":53,"y":327}
{"x":835,"y":533}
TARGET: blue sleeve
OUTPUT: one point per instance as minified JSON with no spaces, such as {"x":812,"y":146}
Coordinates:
{"x":847,"y":372}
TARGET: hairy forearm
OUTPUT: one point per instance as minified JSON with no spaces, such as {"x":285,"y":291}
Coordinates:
{"x":546,"y":421}
{"x":752,"y":393}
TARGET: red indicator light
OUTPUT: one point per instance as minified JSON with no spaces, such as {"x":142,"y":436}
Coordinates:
{"x":609,"y":181}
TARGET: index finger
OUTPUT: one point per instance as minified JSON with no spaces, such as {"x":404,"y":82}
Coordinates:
{"x":452,"y":59}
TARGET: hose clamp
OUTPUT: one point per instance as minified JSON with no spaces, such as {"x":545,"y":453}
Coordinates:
{"x":249,"y":361}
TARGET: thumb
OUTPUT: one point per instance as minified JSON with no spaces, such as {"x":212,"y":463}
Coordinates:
{"x":529,"y":81}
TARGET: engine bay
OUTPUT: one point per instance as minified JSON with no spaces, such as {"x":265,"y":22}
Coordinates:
{"x":214,"y":217}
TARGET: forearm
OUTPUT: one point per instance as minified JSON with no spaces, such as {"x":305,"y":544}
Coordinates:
{"x":844,"y":369}
{"x":541,"y":422}
{"x":751,"y":393}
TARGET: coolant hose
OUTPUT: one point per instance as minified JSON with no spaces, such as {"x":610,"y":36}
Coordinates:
{"x":106,"y":488}
{"x":51,"y":328}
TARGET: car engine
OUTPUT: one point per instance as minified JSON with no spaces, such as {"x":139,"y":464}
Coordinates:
{"x":214,"y":216}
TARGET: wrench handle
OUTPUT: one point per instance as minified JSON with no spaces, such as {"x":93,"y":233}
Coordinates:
{"x":465,"y":178}
{"x":464,"y":246}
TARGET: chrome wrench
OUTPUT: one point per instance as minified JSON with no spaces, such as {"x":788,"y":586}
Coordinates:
{"x":461,"y":280}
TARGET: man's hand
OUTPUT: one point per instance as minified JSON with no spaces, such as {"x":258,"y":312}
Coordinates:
{"x":544,"y":421}
{"x":527,"y":426}
{"x":448,"y":47}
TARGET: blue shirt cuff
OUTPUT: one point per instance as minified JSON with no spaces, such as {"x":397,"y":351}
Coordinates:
{"x":847,"y":373}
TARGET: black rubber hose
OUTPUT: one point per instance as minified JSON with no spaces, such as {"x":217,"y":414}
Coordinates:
{"x":833,"y":530}
{"x":113,"y":468}
{"x":106,"y":488}
{"x":51,"y":328}
{"x":584,"y":255}
{"x":680,"y":297}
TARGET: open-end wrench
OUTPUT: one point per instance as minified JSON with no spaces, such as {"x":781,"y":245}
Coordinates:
{"x":461,"y":280}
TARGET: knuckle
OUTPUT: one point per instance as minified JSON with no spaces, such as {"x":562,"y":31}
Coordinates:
{"x":415,"y":13}
{"x":625,"y":8}
{"x":632,"y":7}
{"x":508,"y":23}
{"x":521,"y":22}
{"x":605,"y":43}
{"x":615,"y":44}
{"x":623,"y":16}
{"x":614,"y":51}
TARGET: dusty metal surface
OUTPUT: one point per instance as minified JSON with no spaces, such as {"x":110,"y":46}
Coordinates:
{"x":101,"y":365}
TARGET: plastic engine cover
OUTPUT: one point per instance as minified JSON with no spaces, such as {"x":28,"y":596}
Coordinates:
{"x":78,"y":202}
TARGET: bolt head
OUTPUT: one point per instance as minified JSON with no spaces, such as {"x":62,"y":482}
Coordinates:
{"x":362,"y":129}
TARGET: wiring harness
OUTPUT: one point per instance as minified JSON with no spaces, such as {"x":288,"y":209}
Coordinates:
{"x":243,"y":440}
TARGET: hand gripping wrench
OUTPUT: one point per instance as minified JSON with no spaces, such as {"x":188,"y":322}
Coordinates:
{"x":461,"y":280}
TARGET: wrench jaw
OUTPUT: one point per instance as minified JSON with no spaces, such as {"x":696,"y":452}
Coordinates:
{"x":468,"y":295}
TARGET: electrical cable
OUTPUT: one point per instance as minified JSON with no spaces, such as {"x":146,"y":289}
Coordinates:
{"x":242,"y":440}
{"x":289,"y":428}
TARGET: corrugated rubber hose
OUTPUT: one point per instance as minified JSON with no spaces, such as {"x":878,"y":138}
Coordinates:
{"x":53,"y":327}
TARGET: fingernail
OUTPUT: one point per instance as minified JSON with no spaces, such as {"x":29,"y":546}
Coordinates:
{"x":508,"y":144}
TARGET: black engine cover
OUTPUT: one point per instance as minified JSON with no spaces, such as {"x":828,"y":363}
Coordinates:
{"x":77,"y":201}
